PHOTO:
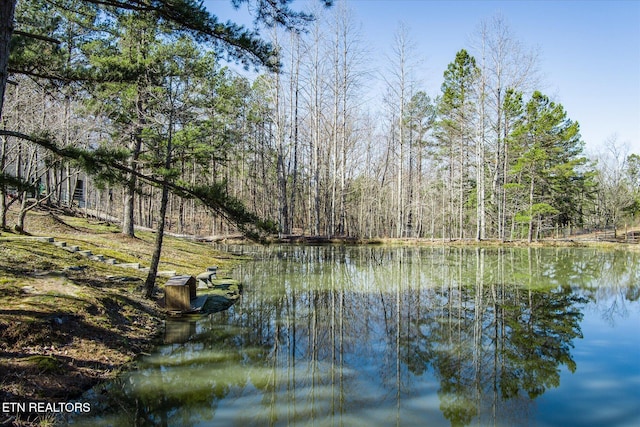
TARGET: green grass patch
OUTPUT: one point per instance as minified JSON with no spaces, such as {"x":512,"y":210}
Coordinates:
{"x":46,"y":364}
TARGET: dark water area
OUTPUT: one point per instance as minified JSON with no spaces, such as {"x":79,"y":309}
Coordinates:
{"x":371,"y":336}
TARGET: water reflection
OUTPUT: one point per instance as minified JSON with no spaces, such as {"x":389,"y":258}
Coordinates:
{"x":375,"y":336}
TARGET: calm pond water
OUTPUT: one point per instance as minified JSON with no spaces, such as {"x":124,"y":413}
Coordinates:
{"x":370,"y":336}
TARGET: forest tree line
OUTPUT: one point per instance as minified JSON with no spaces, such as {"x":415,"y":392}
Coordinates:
{"x":300,"y":145}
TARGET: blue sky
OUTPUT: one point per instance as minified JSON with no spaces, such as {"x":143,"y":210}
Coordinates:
{"x":589,"y":50}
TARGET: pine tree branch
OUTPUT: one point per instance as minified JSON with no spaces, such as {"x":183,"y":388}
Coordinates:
{"x":12,"y":181}
{"x":36,"y":36}
{"x":214,"y":197}
{"x":240,"y":43}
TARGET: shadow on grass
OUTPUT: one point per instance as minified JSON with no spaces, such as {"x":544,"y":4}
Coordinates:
{"x":78,"y":351}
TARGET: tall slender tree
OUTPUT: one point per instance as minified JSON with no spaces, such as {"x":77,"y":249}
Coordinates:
{"x":126,"y":101}
{"x":401,"y":86}
{"x":7,"y":24}
{"x":420,"y":118}
{"x":456,"y":131}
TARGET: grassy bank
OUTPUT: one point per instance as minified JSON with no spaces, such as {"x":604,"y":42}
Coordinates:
{"x":68,"y":322}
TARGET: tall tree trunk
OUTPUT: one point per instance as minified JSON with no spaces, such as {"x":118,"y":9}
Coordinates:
{"x":150,"y":282}
{"x":295,"y":92}
{"x":335,"y":137}
{"x":69,"y":188}
{"x":135,"y":146}
{"x":22,"y":215}
{"x":130,"y":190}
{"x":480,"y":162}
{"x":316,"y":160}
{"x":530,"y":234}
{"x":7,"y":9}
{"x":505,"y":175}
{"x":461,"y":186}
{"x":399,"y":188}
{"x":342,"y":228}
{"x":3,"y":187}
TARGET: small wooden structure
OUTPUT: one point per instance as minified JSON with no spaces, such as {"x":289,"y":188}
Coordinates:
{"x":179,"y":291}
{"x":218,"y":294}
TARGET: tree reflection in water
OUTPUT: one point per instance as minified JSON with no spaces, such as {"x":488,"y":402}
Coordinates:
{"x":376,"y":336}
